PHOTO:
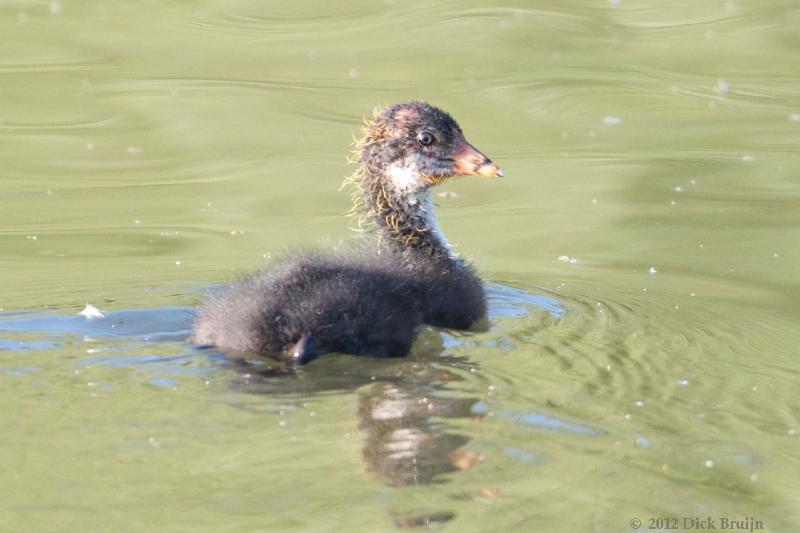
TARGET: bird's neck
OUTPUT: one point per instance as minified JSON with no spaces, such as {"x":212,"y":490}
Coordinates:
{"x":403,"y":216}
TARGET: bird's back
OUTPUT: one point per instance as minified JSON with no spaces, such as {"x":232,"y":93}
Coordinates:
{"x":358,"y":303}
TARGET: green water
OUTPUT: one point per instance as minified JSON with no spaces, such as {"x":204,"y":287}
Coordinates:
{"x":641,"y":257}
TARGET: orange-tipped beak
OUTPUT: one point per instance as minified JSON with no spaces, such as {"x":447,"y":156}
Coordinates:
{"x":469,"y":161}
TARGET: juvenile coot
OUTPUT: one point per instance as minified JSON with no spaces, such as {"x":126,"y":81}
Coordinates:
{"x":371,"y":299}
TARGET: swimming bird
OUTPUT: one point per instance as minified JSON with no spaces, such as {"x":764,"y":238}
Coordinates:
{"x":370,"y":299}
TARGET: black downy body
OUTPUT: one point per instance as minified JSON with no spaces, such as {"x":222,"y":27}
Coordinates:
{"x":369,"y":300}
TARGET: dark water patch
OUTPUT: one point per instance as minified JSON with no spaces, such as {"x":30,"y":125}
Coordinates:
{"x":150,"y":325}
{"x":422,"y":519}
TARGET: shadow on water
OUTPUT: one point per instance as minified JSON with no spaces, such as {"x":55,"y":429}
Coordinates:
{"x":404,"y":404}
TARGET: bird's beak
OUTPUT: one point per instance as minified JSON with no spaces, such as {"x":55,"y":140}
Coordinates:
{"x":469,"y":161}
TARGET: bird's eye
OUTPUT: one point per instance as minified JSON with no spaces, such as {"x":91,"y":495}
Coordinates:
{"x":425,"y":138}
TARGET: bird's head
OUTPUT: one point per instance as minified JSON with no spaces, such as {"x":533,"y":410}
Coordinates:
{"x":414,"y":146}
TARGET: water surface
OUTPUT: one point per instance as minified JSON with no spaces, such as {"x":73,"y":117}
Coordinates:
{"x":641,"y":260}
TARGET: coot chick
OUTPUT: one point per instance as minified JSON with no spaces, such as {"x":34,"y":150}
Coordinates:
{"x":369,"y":300}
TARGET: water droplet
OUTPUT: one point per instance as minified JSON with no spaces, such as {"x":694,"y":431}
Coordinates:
{"x":709,"y":463}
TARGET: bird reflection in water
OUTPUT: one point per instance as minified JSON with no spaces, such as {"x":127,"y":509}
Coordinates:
{"x":402,"y":413}
{"x":405,"y":442}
